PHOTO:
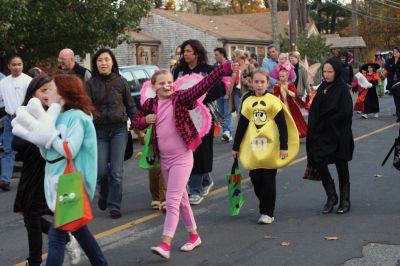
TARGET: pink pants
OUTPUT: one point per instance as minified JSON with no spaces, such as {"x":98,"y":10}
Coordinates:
{"x":176,"y":171}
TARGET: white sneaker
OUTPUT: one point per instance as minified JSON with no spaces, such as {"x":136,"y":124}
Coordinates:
{"x":265,"y":219}
{"x":163,"y":206}
{"x":190,"y":246}
{"x":73,"y":250}
{"x":160,"y":252}
{"x":155,"y":205}
{"x":365,"y":116}
{"x":195,"y":199}
{"x":207,"y":189}
{"x":376,"y":115}
{"x":226,"y":136}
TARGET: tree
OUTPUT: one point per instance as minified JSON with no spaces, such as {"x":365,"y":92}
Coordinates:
{"x":246,"y":6}
{"x":329,"y":16}
{"x":38,"y":30}
{"x":313,"y":47}
{"x":170,"y":5}
{"x":157,"y":3}
{"x":379,"y":24}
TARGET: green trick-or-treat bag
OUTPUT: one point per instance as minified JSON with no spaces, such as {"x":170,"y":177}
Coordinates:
{"x":234,"y":180}
{"x":72,"y":204}
{"x":148,"y":160}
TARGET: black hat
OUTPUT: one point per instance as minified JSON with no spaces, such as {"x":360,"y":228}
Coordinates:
{"x":253,"y":56}
{"x":375,"y":66}
{"x":34,"y":85}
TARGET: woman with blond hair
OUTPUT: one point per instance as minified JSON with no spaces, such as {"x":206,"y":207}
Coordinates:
{"x":241,"y":80}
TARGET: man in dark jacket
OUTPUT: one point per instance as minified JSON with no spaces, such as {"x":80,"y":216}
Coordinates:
{"x":347,"y":69}
{"x":66,"y":60}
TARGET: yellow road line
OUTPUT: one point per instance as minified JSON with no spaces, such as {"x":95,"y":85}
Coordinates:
{"x":211,"y":194}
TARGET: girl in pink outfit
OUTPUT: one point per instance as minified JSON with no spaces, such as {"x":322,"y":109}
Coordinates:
{"x":174,"y":139}
{"x":284,"y":64}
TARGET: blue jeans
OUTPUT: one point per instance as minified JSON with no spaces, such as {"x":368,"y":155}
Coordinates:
{"x":236,"y":99}
{"x":7,"y":161}
{"x":197,"y":182}
{"x":111,"y":144}
{"x":57,"y":241}
{"x":223,"y":108}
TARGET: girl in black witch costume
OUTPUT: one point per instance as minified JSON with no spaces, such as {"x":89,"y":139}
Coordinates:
{"x":329,"y":135}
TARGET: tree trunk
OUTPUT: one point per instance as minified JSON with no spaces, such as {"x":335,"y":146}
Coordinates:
{"x":302,"y":11}
{"x":274,"y":21}
{"x":292,"y":25}
{"x":333,"y":23}
{"x":319,"y":17}
{"x":354,"y":18}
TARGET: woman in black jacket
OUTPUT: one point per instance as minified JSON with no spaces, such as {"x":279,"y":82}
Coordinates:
{"x":111,"y":96}
{"x":393,"y":68}
{"x":194,"y":60}
{"x":30,"y":200}
{"x":329,"y":135}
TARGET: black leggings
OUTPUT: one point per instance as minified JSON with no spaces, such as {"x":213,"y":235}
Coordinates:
{"x":36,"y":225}
{"x":264,"y":182}
{"x":342,"y":168}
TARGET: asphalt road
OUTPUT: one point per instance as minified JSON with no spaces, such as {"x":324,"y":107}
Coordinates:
{"x":368,"y":235}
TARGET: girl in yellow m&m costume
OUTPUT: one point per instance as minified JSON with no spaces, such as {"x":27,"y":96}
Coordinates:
{"x":266,"y":139}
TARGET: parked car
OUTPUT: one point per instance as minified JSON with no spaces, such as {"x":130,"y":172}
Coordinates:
{"x":136,"y":76}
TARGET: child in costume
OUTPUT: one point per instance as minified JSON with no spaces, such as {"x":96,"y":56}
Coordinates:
{"x":174,"y":139}
{"x":69,"y":119}
{"x":156,"y":181}
{"x":371,"y":103}
{"x":287,"y":93}
{"x":266,"y":139}
{"x":360,"y":85}
{"x":284,"y":63}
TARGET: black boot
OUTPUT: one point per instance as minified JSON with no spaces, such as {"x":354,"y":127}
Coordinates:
{"x":344,"y":205}
{"x":330,"y":190}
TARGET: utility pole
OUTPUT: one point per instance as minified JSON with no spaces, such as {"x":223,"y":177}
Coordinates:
{"x":293,"y":24}
{"x":354,"y":18}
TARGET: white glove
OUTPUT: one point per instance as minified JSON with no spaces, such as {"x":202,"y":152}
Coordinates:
{"x":362,"y":81}
{"x":35,"y":125}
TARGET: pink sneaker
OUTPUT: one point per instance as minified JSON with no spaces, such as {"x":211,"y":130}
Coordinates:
{"x":191,"y":244}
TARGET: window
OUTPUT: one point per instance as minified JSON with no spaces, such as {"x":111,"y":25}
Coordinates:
{"x":140,"y":76}
{"x":251,"y":49}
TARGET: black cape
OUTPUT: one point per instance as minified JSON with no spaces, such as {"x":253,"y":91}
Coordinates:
{"x":371,"y":104}
{"x":203,"y":155}
{"x":30,"y":191}
{"x":329,"y":135}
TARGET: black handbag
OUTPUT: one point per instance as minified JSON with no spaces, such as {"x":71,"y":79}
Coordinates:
{"x":129,"y":147}
{"x":311,"y":174}
{"x":396,"y":158}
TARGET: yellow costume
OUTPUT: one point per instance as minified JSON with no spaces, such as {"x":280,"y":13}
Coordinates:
{"x":260,"y":147}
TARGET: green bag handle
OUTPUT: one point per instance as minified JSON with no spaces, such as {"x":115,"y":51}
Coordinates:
{"x":235,"y":165}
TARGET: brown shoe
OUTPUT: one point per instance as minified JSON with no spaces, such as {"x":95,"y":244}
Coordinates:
{"x":5,"y":185}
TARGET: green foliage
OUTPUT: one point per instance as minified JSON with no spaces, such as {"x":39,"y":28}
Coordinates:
{"x":38,"y":30}
{"x":313,"y":47}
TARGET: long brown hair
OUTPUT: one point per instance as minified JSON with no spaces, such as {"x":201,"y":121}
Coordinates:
{"x":70,"y":88}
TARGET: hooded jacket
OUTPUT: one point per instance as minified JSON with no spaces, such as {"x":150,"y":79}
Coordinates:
{"x":329,"y":135}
